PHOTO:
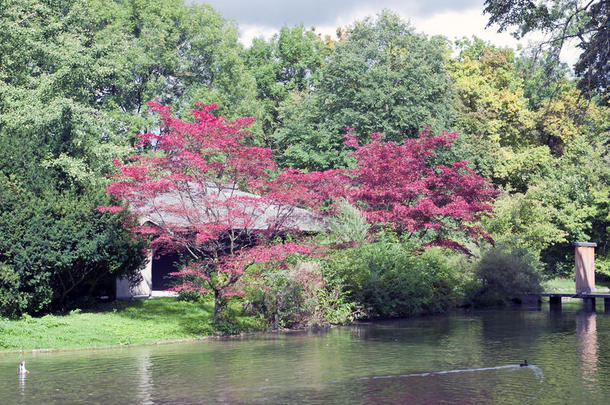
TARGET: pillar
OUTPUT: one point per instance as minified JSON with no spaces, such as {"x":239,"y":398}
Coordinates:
{"x":584,"y":256}
{"x":555,"y":303}
{"x":588,"y":304}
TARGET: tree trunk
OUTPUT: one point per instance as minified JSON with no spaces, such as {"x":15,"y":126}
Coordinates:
{"x":219,"y":306}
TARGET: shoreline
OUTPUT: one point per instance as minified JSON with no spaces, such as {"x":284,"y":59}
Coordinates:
{"x":163,"y":342}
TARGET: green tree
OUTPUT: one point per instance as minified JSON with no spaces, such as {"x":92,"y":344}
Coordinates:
{"x":496,"y":123}
{"x":55,"y":248}
{"x":383,"y":77}
{"x":490,"y":91}
{"x":543,"y":77}
{"x":509,"y":137}
{"x":585,"y":21}
{"x":289,"y":62}
{"x":545,"y":146}
{"x":75,"y":77}
{"x":570,"y":202}
{"x":578,"y":190}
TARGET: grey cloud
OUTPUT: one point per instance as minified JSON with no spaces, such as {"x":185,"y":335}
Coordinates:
{"x":275,"y":13}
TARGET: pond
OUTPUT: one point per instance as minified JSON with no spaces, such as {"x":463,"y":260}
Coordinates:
{"x":463,"y":357}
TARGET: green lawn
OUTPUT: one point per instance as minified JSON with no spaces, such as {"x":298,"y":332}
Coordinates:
{"x":120,"y":323}
{"x":567,"y":285}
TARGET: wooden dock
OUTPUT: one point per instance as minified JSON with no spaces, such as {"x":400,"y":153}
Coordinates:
{"x":587,"y":298}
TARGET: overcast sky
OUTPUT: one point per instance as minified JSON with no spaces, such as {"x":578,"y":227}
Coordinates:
{"x":451,"y":18}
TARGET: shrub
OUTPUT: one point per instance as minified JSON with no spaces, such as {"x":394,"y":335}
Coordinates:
{"x":297,"y":296}
{"x":57,"y":251}
{"x":602,"y":265}
{"x":389,"y":278}
{"x":349,"y":224}
{"x":505,"y":273}
{"x":285,"y":297}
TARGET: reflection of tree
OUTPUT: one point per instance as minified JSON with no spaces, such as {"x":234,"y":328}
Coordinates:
{"x":586,"y":331}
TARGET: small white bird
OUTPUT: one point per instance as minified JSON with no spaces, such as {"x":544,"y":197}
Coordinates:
{"x":22,"y":370}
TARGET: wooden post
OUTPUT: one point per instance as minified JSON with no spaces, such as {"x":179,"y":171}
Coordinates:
{"x":584,"y":257}
{"x":555,"y":303}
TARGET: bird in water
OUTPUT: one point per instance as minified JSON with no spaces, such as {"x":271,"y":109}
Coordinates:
{"x":22,"y":369}
{"x":524,"y":364}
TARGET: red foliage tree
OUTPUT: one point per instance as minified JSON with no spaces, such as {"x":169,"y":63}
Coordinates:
{"x":396,"y":185}
{"x":188,"y":192}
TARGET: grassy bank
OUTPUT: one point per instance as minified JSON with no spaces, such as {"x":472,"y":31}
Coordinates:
{"x":120,"y":323}
{"x":567,"y":285}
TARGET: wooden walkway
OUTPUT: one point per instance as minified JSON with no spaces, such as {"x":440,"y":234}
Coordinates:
{"x":587,"y":298}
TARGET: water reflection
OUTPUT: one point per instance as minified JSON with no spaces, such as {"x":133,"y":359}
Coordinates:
{"x":512,"y":367}
{"x":586,"y":332}
{"x":22,"y":378}
{"x":145,"y":380}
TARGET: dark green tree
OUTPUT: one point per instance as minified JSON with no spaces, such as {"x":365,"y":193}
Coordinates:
{"x":75,"y":77}
{"x":288,"y":62}
{"x":55,"y":248}
{"x":383,"y":77}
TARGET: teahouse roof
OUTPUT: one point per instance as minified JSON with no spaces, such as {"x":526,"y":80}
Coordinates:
{"x":210,"y":203}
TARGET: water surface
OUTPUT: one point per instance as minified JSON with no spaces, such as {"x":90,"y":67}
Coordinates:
{"x":461,"y":358}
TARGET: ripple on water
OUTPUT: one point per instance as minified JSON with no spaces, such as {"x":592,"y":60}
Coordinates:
{"x":435,"y":360}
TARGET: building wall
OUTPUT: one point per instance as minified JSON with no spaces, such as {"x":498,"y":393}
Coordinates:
{"x":144,"y":289}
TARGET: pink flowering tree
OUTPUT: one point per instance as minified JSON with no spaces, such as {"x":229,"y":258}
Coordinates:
{"x":188,"y":193}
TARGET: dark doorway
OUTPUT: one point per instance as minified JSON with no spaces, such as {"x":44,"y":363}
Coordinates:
{"x":161,"y":267}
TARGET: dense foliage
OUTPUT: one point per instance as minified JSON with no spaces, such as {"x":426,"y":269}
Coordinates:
{"x":547,"y":148}
{"x":76,"y":77}
{"x":188,"y":195}
{"x":505,"y":274}
{"x":397,"y":187}
{"x":387,"y":278}
{"x":382,"y":77}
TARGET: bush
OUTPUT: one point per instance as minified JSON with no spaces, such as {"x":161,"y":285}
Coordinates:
{"x":57,"y":250}
{"x":602,"y":266}
{"x":504,"y":273}
{"x":285,"y":297}
{"x":193,"y":295}
{"x":391,"y":279}
{"x":297,"y":296}
{"x":349,"y":224}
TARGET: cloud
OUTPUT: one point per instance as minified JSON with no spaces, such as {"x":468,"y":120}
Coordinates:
{"x":323,"y":12}
{"x":451,"y":18}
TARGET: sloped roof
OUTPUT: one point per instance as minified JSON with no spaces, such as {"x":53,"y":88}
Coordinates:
{"x":212,"y":202}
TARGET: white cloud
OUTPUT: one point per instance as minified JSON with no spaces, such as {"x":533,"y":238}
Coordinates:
{"x":451,"y":22}
{"x":458,"y":24}
{"x":247,"y":32}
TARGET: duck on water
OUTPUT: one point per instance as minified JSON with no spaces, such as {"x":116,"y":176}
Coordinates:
{"x":22,"y":370}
